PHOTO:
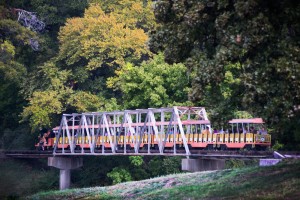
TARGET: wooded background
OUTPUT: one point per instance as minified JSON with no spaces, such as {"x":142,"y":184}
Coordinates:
{"x":236,"y":58}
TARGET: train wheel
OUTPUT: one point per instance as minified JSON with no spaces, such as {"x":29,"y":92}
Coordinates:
{"x":223,"y":147}
{"x":262,"y":148}
{"x":210,"y":147}
{"x":146,"y":147}
{"x":248,"y":147}
{"x":40,"y":148}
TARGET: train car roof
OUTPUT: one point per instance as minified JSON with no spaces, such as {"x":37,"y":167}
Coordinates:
{"x":250,"y":121}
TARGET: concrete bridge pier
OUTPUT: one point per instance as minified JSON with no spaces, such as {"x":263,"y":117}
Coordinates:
{"x":202,"y":164}
{"x":65,"y":164}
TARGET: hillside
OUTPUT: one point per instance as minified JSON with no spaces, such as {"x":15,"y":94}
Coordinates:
{"x":275,"y":182}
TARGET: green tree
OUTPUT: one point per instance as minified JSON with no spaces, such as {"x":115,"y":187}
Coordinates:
{"x":152,"y":84}
{"x":18,"y":61}
{"x":159,"y":166}
{"x":136,"y":161}
{"x":91,"y":48}
{"x":119,"y":175}
{"x":135,"y":13}
{"x":101,"y":38}
{"x":244,"y":54}
{"x":13,"y":38}
{"x":53,"y":96}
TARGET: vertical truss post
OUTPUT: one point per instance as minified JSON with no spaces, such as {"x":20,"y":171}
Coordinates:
{"x":81,"y":132}
{"x":115,"y":132}
{"x":137,"y":134}
{"x":168,"y":129}
{"x":72,"y":135}
{"x":102,"y":130}
{"x":162,"y":119}
{"x":189,"y":126}
{"x":63,"y":136}
{"x":142,"y":130}
{"x":94,"y":139}
{"x":98,"y":120}
{"x":149,"y":135}
{"x":162,"y":132}
{"x":125,"y":133}
{"x":131,"y":130}
{"x":174,"y":137}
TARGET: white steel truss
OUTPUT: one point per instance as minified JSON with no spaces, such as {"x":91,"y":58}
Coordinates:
{"x":134,"y":132}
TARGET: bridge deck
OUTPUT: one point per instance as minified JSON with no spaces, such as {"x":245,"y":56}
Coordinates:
{"x":196,"y":153}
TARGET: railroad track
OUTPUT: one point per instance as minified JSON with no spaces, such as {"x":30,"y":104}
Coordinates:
{"x":153,"y":152}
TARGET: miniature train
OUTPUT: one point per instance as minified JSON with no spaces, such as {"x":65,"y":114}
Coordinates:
{"x":141,"y":129}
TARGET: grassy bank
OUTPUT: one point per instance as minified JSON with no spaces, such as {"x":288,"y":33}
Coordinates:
{"x":275,"y":182}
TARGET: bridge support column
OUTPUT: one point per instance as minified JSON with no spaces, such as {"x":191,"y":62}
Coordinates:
{"x":194,"y":165}
{"x":65,"y":164}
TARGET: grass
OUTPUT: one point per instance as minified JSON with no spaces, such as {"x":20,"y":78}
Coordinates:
{"x":275,"y":182}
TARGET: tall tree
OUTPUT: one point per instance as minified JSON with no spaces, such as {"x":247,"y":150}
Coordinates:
{"x":244,"y":53}
{"x":13,"y":37}
{"x":18,"y":60}
{"x":91,"y":48}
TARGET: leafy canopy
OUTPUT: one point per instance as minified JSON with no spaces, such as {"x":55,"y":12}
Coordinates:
{"x":100,"y":38}
{"x":152,"y":84}
{"x":245,"y":55}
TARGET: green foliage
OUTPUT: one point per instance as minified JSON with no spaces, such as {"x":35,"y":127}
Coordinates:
{"x":135,"y":13}
{"x":234,"y":163}
{"x":161,"y":166}
{"x":244,"y":53}
{"x":23,"y":79}
{"x":277,"y":146}
{"x":136,"y":161}
{"x":14,"y":32}
{"x":84,"y":101}
{"x":100,"y":38}
{"x":42,"y":105}
{"x":152,"y":84}
{"x":119,"y":175}
{"x":7,"y":51}
{"x":55,"y":13}
{"x":242,"y":115}
{"x":13,"y":38}
{"x":172,"y":165}
{"x":155,"y":167}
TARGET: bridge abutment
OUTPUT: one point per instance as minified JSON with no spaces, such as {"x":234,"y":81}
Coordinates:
{"x":65,"y":164}
{"x":202,"y":164}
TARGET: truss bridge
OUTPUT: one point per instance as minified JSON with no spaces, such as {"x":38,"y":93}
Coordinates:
{"x":141,"y":131}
